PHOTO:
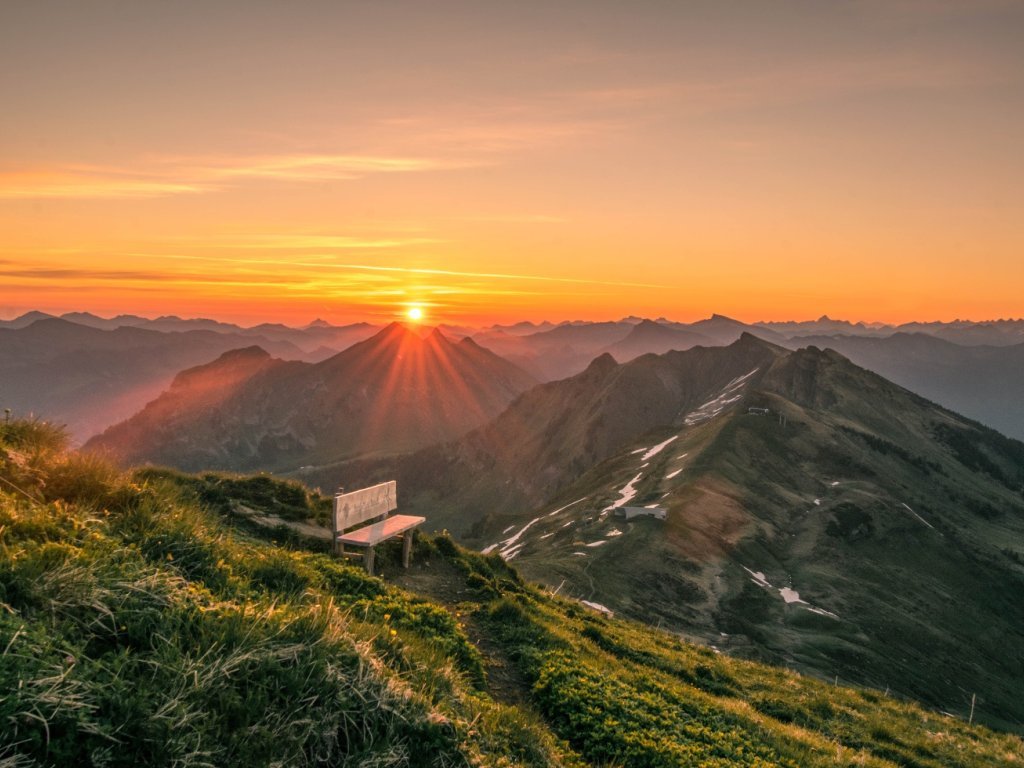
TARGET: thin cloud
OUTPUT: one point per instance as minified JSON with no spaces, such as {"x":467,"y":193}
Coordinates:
{"x":323,"y":242}
{"x":98,"y":185}
{"x":177,"y":176}
{"x":404,"y":270}
{"x":319,"y":167}
{"x":515,"y":218}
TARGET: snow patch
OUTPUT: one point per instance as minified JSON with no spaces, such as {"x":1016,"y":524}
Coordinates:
{"x":509,"y":549}
{"x":725,"y":398}
{"x":821,"y":612}
{"x":488,"y":549}
{"x":614,"y":532}
{"x":657,"y":449}
{"x":598,"y":543}
{"x":917,"y":516}
{"x":758,"y":578}
{"x":670,"y":475}
{"x":597,"y":607}
{"x":513,"y":539}
{"x":790,"y":595}
{"x":508,"y":554}
{"x":638,"y":450}
{"x":626,"y":493}
{"x":562,"y":509}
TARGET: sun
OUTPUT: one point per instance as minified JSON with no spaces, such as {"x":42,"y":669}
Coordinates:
{"x":415,"y":314}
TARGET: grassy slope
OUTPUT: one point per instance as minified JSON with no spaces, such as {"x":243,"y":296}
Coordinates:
{"x":139,"y":626}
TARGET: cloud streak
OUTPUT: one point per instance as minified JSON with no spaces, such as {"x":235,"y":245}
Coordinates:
{"x":405,"y":270}
{"x":183,"y":175}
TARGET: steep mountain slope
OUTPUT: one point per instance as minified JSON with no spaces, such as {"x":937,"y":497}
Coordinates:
{"x":983,"y":382}
{"x":89,"y":378}
{"x":853,"y":529}
{"x":393,"y":392}
{"x":143,"y":624}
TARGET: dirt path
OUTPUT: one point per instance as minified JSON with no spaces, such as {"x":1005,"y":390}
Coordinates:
{"x":273,"y":521}
{"x":444,"y":583}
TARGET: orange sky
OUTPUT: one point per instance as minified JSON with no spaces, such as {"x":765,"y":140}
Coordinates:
{"x":501,"y":161}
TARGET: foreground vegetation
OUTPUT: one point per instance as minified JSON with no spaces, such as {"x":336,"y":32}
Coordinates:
{"x":140,"y":625}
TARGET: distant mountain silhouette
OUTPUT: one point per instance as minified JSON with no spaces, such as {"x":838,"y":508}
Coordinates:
{"x":649,"y":337}
{"x":89,"y":378}
{"x":393,"y":392}
{"x":983,"y":382}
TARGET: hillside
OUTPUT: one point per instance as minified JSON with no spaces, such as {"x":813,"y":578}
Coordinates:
{"x":89,"y":378}
{"x":856,"y":529}
{"x":143,"y":623}
{"x":983,"y":382}
{"x":393,"y":392}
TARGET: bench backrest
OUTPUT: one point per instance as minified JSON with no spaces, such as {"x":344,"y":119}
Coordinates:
{"x":359,"y":506}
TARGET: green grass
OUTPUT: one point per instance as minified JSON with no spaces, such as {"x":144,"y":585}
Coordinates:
{"x":140,"y":626}
{"x":137,"y":628}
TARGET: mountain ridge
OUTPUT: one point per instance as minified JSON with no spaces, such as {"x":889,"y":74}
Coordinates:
{"x":394,"y":391}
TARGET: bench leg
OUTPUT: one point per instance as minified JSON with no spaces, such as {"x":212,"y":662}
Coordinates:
{"x":339,"y":549}
{"x":406,"y":548}
{"x":368,"y":560}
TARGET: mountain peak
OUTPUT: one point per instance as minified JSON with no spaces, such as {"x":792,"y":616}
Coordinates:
{"x":748,"y":339}
{"x":227,"y":371}
{"x":252,"y":352}
{"x":394,"y":330}
{"x":603,"y":363}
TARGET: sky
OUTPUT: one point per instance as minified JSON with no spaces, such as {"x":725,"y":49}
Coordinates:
{"x":497,"y":161}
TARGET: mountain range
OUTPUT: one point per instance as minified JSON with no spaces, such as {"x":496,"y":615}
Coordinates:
{"x":807,"y":511}
{"x":396,"y":391}
{"x":88,"y":378}
{"x":977,"y":372}
{"x":816,"y":514}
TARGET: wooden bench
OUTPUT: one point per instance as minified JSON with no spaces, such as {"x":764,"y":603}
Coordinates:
{"x":374,"y":506}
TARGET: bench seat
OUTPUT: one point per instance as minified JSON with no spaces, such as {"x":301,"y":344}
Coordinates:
{"x":378,"y":532}
{"x":361,"y":519}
